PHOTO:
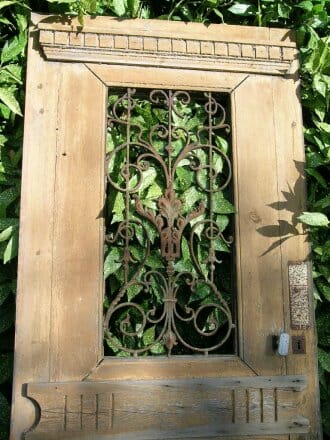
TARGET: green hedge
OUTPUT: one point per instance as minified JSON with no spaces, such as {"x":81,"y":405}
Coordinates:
{"x":308,"y":17}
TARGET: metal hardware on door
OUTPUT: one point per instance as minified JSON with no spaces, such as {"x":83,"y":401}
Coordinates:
{"x":299,"y":344}
{"x":281,"y":344}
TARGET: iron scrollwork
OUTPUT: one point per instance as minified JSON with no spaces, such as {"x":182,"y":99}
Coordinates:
{"x":167,"y":147}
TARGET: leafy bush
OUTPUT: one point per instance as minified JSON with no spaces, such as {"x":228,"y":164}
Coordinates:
{"x":308,"y":17}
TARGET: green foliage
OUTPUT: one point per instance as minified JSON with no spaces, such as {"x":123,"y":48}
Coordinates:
{"x":314,"y":219}
{"x":151,"y":185}
{"x":13,"y":40}
{"x":308,"y":17}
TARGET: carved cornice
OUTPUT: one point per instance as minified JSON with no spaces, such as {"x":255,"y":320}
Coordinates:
{"x":125,"y":43}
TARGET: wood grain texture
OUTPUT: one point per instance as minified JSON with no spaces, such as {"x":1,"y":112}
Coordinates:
{"x":153,"y":43}
{"x":170,"y":368}
{"x":135,"y":76}
{"x":168,"y":409}
{"x":76,"y":311}
{"x":260,"y":293}
{"x":51,"y":269}
{"x":34,"y":286}
{"x":291,"y":201}
{"x":166,"y":29}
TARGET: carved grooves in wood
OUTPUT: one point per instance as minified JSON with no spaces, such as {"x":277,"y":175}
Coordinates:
{"x":270,"y":405}
{"x":262,"y":52}
{"x":95,"y":412}
{"x":85,"y":412}
{"x":248,"y":406}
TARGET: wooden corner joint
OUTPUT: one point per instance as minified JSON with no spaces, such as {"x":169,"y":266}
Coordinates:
{"x":117,"y":47}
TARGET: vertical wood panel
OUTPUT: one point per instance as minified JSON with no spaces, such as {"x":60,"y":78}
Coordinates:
{"x":36,"y":228}
{"x":290,"y":158}
{"x":259,"y":267}
{"x":78,"y":246}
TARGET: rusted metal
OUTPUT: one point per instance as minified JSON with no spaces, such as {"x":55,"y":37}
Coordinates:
{"x":298,"y":344}
{"x":170,"y":222}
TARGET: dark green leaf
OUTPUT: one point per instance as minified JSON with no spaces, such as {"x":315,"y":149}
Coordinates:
{"x":5,"y":291}
{"x":6,"y":367}
{"x":7,"y":222}
{"x":306,"y":5}
{"x":221,"y":205}
{"x":149,"y":336}
{"x":323,"y":203}
{"x":6,"y":317}
{"x":318,"y":176}
{"x":4,"y":418}
{"x":324,"y":288}
{"x":324,"y":359}
{"x":283,"y":10}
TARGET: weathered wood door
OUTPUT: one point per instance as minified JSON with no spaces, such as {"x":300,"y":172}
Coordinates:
{"x":64,"y":386}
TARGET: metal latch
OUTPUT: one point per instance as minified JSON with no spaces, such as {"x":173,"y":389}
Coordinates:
{"x":281,"y":344}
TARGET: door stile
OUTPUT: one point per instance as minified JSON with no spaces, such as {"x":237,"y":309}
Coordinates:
{"x":78,"y":232}
{"x":295,"y":245}
{"x":260,"y":310}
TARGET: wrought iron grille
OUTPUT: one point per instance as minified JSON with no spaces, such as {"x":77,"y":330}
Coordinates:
{"x":168,"y":174}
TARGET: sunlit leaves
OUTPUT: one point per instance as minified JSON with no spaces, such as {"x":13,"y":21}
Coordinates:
{"x":314,"y":219}
{"x":13,"y":47}
{"x":241,"y":8}
{"x":112,"y":261}
{"x":9,"y":99}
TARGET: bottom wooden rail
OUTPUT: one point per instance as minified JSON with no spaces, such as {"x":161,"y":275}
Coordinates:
{"x":169,"y":409}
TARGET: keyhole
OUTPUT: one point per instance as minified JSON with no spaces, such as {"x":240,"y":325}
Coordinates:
{"x":298,"y":345}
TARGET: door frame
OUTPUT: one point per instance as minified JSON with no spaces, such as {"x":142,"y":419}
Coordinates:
{"x":252,"y":65}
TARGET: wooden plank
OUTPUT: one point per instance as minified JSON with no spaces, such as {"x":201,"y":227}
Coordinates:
{"x":291,"y":383}
{"x":76,"y":311}
{"x":169,"y":368}
{"x":246,"y":437}
{"x":258,"y":266}
{"x":158,"y":409}
{"x":154,"y":43}
{"x":79,"y":53}
{"x":195,"y":31}
{"x":183,"y":79}
{"x":211,"y":431}
{"x":291,"y":200}
{"x":36,"y":228}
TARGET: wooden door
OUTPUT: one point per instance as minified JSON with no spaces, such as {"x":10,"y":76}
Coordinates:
{"x":64,"y":386}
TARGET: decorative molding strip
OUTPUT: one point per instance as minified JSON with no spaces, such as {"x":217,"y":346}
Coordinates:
{"x":299,"y":287}
{"x":162,"y":409}
{"x":118,"y":47}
